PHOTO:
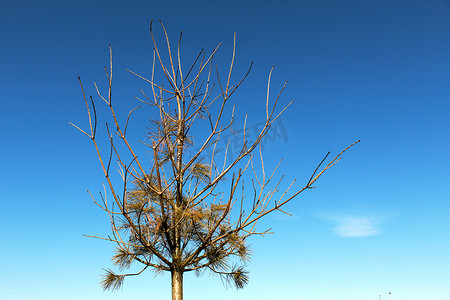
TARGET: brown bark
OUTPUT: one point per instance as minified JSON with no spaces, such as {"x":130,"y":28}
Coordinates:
{"x":177,"y":285}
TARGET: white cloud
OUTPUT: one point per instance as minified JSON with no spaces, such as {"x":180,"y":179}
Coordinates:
{"x":355,"y":226}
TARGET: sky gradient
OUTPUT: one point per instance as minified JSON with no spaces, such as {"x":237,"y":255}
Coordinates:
{"x":378,"y":71}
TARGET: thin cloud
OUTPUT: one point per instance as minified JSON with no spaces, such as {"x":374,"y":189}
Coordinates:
{"x":355,"y":226}
{"x":6,"y":289}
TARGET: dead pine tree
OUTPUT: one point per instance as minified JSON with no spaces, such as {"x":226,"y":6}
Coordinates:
{"x":187,"y":209}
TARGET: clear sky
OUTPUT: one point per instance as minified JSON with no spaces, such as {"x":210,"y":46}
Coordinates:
{"x":378,"y":71}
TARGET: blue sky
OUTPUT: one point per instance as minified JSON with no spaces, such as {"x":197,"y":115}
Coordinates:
{"x":378,"y":71}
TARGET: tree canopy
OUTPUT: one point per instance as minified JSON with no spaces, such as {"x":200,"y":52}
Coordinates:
{"x":189,"y":209}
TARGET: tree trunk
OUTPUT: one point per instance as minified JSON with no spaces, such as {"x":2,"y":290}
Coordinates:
{"x":177,"y":285}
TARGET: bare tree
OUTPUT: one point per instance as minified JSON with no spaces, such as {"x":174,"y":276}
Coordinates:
{"x":188,"y":210}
